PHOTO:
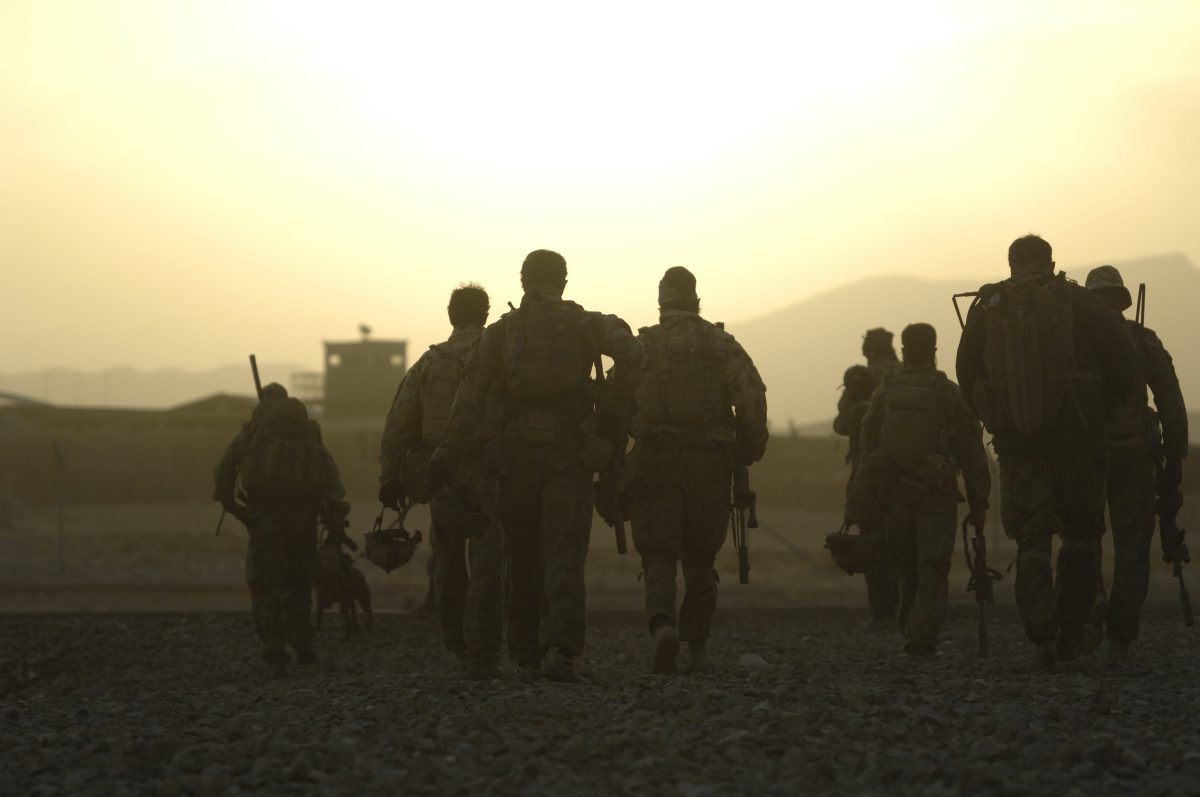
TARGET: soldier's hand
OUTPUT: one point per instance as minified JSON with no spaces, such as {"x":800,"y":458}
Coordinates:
{"x":1173,"y":547}
{"x":977,"y":518}
{"x":1170,"y":477}
{"x":230,"y":505}
{"x":390,"y":494}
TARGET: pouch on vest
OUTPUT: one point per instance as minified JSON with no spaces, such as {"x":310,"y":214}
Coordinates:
{"x":545,"y":357}
{"x":683,"y":380}
{"x":1029,"y":354}
{"x":441,"y":380}
{"x":913,"y":423}
{"x":283,"y":459}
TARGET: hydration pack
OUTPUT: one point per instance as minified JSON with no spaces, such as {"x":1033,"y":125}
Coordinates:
{"x":284,"y":458}
{"x":1029,"y":354}
{"x":440,"y":382}
{"x":547,"y":361}
{"x":914,"y":420}
{"x":683,"y":378}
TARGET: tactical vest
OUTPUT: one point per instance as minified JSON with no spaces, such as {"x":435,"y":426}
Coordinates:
{"x":682,"y":389}
{"x":443,"y":373}
{"x":283,"y":458}
{"x":547,"y":360}
{"x":1029,"y":355}
{"x":914,"y":417}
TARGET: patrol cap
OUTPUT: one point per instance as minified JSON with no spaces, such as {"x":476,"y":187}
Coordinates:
{"x":1107,"y":280}
{"x":677,"y":286}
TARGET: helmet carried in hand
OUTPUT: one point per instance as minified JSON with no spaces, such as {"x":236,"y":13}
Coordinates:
{"x":854,"y":553}
{"x":394,"y":546}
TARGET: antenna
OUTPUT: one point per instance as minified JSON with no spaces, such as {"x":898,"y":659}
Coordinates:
{"x":1139,"y":314}
{"x":961,"y":321}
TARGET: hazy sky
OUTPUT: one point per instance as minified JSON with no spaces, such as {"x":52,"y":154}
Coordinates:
{"x":183,"y":182}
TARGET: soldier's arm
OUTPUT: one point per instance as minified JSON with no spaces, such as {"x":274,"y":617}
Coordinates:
{"x":618,"y":342}
{"x":402,"y":429}
{"x":225,"y":474}
{"x":966,"y":445}
{"x":748,"y":394}
{"x":1168,"y":398}
{"x":1115,"y":347}
{"x":468,"y":427}
{"x":968,"y":364}
{"x":871,"y":424}
{"x":842,"y":421}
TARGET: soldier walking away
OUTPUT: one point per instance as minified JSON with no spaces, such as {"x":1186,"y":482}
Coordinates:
{"x":701,"y":413}
{"x":1039,"y":359}
{"x":859,"y":382}
{"x":1145,"y":448}
{"x":287,"y":481}
{"x":554,"y":435}
{"x":468,"y":558}
{"x":916,"y":436}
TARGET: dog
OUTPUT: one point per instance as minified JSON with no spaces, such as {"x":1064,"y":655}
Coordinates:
{"x":338,"y":581}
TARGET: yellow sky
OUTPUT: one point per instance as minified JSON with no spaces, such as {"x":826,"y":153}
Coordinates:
{"x":183,"y":182}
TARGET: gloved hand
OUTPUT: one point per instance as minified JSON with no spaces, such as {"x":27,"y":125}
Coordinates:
{"x":1170,"y":477}
{"x":1173,"y":547}
{"x":231,"y":506}
{"x":391,"y":492}
{"x":977,"y":518}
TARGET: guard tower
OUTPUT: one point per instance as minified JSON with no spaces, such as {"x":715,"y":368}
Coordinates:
{"x":361,"y":376}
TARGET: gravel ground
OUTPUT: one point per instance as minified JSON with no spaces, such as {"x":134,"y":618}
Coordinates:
{"x":804,"y":700}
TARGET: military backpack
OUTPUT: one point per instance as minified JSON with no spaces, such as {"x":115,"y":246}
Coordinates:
{"x":1029,"y":354}
{"x":914,"y":417}
{"x":443,"y":373}
{"x":547,"y":360}
{"x":682,"y":388}
{"x":284,"y":457}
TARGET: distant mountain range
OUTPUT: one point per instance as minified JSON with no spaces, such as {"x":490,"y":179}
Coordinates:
{"x":127,"y":387}
{"x":801,"y":350}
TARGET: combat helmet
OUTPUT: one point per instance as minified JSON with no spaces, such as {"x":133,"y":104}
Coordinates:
{"x":854,"y":553}
{"x":1107,"y":280}
{"x":394,"y":546}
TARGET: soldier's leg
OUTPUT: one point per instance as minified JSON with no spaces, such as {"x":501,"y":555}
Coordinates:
{"x":1027,"y":511}
{"x":901,"y":550}
{"x":265,"y":575}
{"x":301,"y":562}
{"x":519,"y":506}
{"x":449,"y":581}
{"x":566,"y":530}
{"x":883,"y":594}
{"x":657,"y":519}
{"x":1080,"y":509}
{"x":935,"y":526}
{"x":483,"y":620}
{"x":1132,"y":511}
{"x":707,"y":525}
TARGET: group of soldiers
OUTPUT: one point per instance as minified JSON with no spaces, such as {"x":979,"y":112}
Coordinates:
{"x":503,"y":429}
{"x":1062,"y":383}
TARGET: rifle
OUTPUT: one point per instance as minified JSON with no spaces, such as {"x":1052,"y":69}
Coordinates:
{"x":1168,"y":506}
{"x":258,"y":392}
{"x":745,"y":503}
{"x":982,"y":578}
{"x":607,"y":488}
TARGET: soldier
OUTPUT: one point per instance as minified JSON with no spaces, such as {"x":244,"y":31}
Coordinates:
{"x":288,"y":480}
{"x":916,"y":436}
{"x":554,"y":435}
{"x":1139,"y":453}
{"x":1038,"y":360}
{"x":701,"y":412}
{"x":858,"y":383}
{"x":467,"y":561}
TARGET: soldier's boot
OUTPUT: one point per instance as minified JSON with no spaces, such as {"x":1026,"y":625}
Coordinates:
{"x":528,"y":673}
{"x":920,"y":650}
{"x":305,"y":653}
{"x":1118,"y":652}
{"x":484,"y":670}
{"x":277,"y":662}
{"x":666,"y":648}
{"x":1073,"y":644}
{"x":1045,"y":658}
{"x":698,"y":661}
{"x":558,"y":667}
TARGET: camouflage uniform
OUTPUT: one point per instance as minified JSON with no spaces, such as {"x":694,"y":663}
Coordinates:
{"x":281,"y":552}
{"x":920,"y":497}
{"x":536,"y":360}
{"x":468,"y":557}
{"x":688,"y":441}
{"x":882,"y":592}
{"x":1136,"y":446}
{"x":1052,"y":480}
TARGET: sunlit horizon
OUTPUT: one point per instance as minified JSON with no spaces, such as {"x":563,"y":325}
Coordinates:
{"x":188,"y":181}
